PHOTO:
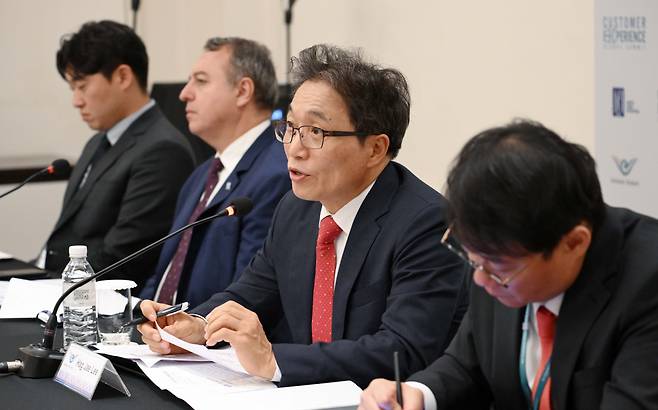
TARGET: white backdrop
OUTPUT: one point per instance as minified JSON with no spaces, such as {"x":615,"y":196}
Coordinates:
{"x":626,"y":111}
{"x":470,"y":64}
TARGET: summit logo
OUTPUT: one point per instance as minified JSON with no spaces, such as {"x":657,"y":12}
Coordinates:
{"x":624,"y":32}
{"x":625,"y":166}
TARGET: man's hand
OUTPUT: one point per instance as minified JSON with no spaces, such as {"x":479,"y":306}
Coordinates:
{"x":380,"y":394}
{"x":242,"y":329}
{"x":181,"y":325}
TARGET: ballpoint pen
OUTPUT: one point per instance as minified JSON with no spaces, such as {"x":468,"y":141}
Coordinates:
{"x":181,"y":307}
{"x":398,"y":384}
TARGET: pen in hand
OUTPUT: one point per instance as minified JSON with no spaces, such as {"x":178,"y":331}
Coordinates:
{"x":181,"y":307}
{"x":398,"y":383}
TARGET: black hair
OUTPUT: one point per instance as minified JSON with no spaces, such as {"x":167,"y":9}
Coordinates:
{"x":377,"y":98}
{"x":519,"y":188}
{"x":100,"y":47}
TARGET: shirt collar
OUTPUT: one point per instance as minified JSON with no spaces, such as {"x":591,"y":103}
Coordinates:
{"x":553,"y":305}
{"x":236,"y":149}
{"x":345,"y":216}
{"x":114,"y":133}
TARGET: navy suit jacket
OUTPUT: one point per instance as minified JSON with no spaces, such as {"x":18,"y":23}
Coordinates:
{"x":605,"y":353}
{"x":128,"y":199}
{"x":397,"y":288}
{"x":219,"y":251}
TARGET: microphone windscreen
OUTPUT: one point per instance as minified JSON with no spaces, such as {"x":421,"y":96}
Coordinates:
{"x":242,"y":206}
{"x":60,"y":167}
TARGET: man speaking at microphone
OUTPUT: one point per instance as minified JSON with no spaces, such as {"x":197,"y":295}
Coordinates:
{"x":229,"y":98}
{"x":122,"y":191}
{"x":351,"y":269}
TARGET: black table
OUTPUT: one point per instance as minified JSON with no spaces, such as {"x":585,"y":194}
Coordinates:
{"x":22,"y":394}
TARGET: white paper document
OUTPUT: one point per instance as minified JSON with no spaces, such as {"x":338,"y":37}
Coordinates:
{"x":25,"y":298}
{"x":325,"y":396}
{"x":225,"y":357}
{"x":4,"y":285}
{"x":146,"y":355}
{"x":220,"y":381}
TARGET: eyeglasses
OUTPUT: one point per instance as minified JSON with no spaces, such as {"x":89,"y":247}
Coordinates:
{"x":311,"y":137}
{"x":503,"y":280}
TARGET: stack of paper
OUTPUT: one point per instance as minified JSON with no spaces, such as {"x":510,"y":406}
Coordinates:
{"x":211,"y":379}
{"x":23,"y":299}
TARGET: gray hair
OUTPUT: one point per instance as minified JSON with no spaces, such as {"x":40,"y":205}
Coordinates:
{"x":253,"y":60}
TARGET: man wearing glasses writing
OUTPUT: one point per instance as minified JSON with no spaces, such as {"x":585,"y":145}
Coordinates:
{"x":565,"y":314}
{"x":351,"y":270}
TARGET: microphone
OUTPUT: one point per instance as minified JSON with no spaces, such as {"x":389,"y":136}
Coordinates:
{"x":40,"y":360}
{"x":59,"y":167}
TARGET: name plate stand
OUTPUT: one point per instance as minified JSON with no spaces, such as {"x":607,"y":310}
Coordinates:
{"x":82,"y":369}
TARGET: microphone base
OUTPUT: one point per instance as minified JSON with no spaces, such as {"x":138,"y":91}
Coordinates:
{"x":38,"y":362}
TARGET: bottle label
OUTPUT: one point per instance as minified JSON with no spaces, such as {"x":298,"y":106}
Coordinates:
{"x":82,"y":297}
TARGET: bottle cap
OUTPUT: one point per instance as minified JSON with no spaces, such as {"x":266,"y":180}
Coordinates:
{"x":78,"y":251}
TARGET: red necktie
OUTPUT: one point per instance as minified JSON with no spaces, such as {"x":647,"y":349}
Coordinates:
{"x":170,"y":284}
{"x":546,"y":329}
{"x":323,"y":288}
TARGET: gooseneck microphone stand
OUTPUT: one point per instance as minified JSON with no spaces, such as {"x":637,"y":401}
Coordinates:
{"x":40,"y":360}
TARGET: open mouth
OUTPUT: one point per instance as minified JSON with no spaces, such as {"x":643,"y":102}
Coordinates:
{"x":296,"y":174}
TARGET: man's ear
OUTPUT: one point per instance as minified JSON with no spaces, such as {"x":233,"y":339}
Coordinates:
{"x":578,"y":239}
{"x":378,"y":145}
{"x":245,"y":88}
{"x":124,"y":75}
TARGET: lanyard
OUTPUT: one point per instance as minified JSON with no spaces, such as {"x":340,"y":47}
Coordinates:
{"x":532,"y":404}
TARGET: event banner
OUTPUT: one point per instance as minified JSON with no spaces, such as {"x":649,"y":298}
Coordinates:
{"x":626,"y":102}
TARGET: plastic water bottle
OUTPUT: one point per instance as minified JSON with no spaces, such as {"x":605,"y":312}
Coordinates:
{"x":80,"y":320}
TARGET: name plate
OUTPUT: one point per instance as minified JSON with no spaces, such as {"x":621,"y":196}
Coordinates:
{"x":82,"y":369}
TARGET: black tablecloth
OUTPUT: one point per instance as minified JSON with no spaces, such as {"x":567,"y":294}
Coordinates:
{"x":22,"y":394}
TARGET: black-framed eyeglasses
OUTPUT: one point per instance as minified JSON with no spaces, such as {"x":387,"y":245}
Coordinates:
{"x":458,"y":250}
{"x":310,"y":136}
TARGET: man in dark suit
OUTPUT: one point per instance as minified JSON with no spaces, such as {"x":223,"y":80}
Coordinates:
{"x":122,"y":192}
{"x":230,"y":96}
{"x":566,"y":313}
{"x":351,"y":270}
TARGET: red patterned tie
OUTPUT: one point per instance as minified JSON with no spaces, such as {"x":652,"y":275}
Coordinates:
{"x":546,"y":329}
{"x":323,"y":288}
{"x":170,"y":284}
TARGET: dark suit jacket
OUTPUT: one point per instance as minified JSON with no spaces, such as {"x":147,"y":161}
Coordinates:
{"x":128,"y":199}
{"x":396,"y":289}
{"x":220,"y":251}
{"x":605,"y":353}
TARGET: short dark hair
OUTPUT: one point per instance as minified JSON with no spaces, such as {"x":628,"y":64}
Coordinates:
{"x":519,"y":188}
{"x":377,"y":98}
{"x":253,"y":60}
{"x":100,"y":47}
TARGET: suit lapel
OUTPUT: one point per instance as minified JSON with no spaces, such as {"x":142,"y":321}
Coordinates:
{"x":362,"y":235}
{"x":303,"y":275}
{"x":506,"y":347}
{"x":80,"y":167}
{"x":245,"y":163}
{"x":75,"y":199}
{"x":582,"y":304}
{"x":79,"y":197}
